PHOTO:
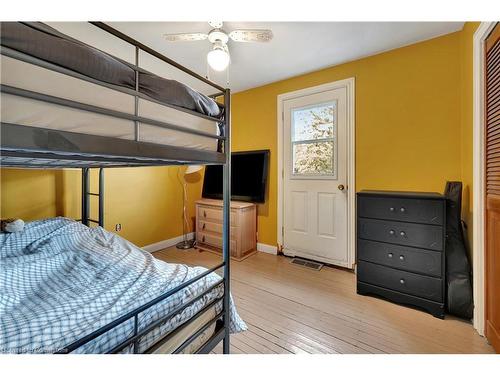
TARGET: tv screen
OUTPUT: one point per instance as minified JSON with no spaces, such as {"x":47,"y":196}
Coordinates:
{"x":248,"y":177}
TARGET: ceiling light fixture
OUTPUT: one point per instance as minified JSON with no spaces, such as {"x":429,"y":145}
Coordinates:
{"x":218,"y":58}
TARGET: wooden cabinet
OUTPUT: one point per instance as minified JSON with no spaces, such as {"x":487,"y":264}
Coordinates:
{"x":243,"y":231}
{"x":492,"y":187}
{"x":401,"y":248}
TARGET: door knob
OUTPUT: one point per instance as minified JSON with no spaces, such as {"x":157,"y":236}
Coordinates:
{"x":341,"y":187}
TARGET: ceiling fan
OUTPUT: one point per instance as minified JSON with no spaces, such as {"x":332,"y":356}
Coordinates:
{"x":218,"y":58}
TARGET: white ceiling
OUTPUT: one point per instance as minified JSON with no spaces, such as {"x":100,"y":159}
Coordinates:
{"x":297,"y":47}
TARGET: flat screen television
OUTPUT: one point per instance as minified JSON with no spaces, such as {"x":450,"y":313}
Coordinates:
{"x":248,"y":177}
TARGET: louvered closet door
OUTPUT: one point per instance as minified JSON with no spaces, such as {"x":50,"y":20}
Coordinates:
{"x":492,"y":159}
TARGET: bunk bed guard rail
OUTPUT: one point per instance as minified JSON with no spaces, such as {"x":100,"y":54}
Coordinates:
{"x":47,"y":148}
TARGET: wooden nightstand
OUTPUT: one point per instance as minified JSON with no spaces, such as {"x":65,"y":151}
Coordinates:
{"x":243,"y":221}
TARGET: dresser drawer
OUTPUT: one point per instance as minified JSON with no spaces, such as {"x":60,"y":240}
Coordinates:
{"x":405,"y":258}
{"x":214,"y":241}
{"x":399,"y":233}
{"x":401,"y":281}
{"x":214,"y":228}
{"x":215,"y":215}
{"x":430,"y":211}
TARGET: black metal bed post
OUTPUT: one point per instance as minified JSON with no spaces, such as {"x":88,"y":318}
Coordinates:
{"x":226,"y":219}
{"x":101,"y":197}
{"x":85,"y":196}
{"x":136,"y":107}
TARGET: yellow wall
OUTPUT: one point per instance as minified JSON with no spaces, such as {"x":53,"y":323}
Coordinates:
{"x":147,"y":201}
{"x":29,"y":194}
{"x":408,"y":134}
{"x":413,"y":132}
{"x":466,"y":117}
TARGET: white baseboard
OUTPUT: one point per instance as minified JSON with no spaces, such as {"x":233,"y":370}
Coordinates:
{"x":173,"y":241}
{"x":166,"y":243}
{"x":267,"y":248}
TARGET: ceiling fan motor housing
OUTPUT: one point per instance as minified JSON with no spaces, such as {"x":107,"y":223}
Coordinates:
{"x":218,"y":35}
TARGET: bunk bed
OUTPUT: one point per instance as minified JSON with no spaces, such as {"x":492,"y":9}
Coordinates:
{"x":67,"y":104}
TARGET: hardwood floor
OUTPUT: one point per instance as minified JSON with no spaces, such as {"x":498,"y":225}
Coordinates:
{"x":291,"y":309}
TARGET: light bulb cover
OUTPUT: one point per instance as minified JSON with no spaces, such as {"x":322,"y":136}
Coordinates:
{"x":218,"y":58}
{"x":193,"y":169}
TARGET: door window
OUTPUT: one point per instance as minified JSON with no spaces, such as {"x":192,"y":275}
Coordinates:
{"x":314,"y":141}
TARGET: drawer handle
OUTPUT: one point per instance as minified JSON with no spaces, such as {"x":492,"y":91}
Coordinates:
{"x":401,"y":257}
{"x":204,"y":225}
{"x":402,"y":209}
{"x":402,"y":281}
{"x":391,"y":232}
{"x":402,"y":233}
{"x":392,"y":209}
{"x":203,"y":239}
{"x":389,"y":255}
{"x":204,"y":213}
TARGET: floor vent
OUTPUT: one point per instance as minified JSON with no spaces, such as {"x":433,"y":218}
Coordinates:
{"x":307,"y":263}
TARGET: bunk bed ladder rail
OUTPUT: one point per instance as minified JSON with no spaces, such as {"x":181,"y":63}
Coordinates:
{"x":226,"y":251}
{"x":86,"y":194}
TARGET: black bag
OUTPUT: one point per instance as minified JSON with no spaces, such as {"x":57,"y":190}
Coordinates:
{"x":458,"y":270}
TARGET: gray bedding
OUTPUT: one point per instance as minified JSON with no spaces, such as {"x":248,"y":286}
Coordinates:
{"x":44,"y":42}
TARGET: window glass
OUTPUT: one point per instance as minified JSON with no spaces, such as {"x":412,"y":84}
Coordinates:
{"x":314,"y":140}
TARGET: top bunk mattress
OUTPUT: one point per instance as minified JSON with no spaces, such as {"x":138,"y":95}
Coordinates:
{"x":46,"y":43}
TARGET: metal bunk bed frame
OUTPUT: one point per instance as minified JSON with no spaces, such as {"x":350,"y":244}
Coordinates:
{"x":31,"y":147}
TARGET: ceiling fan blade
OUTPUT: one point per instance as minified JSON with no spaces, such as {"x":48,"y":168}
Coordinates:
{"x":215,"y":24}
{"x":185,"y":37}
{"x":243,"y":35}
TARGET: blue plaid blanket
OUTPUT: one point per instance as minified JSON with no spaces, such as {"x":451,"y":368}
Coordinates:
{"x":60,"y":280}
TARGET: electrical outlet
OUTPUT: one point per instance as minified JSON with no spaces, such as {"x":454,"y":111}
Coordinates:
{"x":118,"y":227}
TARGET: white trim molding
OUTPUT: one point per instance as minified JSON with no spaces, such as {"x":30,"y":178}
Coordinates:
{"x":478,"y":174}
{"x":265,"y":248}
{"x":349,"y":84}
{"x":151,"y":248}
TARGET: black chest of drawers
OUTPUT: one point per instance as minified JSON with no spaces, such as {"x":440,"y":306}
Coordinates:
{"x":401,"y":248}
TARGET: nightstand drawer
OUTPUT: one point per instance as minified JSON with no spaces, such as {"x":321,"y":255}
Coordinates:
{"x":215,"y":215}
{"x":214,"y":240}
{"x":399,"y":233}
{"x":401,"y":281}
{"x":404,"y":258}
{"x":401,"y":209}
{"x":214,"y":228}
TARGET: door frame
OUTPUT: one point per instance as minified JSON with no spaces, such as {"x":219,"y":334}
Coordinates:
{"x":349,"y":85}
{"x":478,"y":214}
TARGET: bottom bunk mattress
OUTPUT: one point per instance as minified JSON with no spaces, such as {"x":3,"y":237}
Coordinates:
{"x":60,"y":281}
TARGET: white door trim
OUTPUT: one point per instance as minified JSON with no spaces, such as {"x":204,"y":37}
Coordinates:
{"x":478,"y":174}
{"x":349,"y":85}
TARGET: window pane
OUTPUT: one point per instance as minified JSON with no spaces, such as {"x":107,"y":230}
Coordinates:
{"x":315,"y":122}
{"x":313,"y":158}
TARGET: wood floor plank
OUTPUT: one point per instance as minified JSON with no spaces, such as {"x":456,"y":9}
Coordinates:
{"x":291,"y":309}
{"x":278,"y":340}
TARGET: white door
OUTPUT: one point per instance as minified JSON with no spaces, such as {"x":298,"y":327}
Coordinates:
{"x":315,"y":176}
